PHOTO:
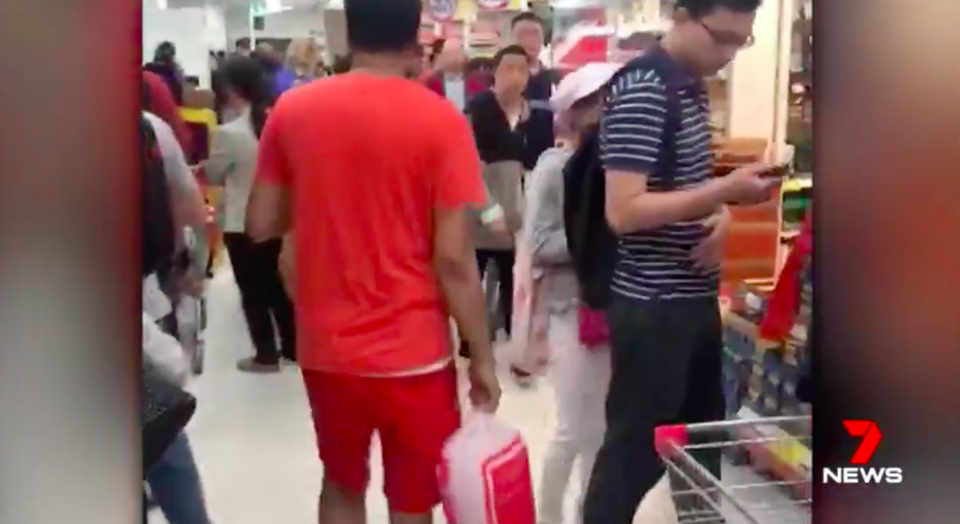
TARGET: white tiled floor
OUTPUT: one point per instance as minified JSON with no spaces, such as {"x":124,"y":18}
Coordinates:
{"x":254,"y":442}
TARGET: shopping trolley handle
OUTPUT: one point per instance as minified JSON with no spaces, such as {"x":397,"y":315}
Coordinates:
{"x":666,"y":439}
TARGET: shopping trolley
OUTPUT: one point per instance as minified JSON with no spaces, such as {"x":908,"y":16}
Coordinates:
{"x":192,"y":310}
{"x":775,"y":490}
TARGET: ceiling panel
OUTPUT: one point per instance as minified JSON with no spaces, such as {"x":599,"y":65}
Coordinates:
{"x":177,"y":4}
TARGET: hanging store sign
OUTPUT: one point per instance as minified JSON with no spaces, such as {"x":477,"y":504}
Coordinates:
{"x":442,"y":10}
{"x":493,"y":4}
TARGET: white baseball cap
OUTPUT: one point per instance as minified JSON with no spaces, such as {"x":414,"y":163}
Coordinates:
{"x":582,"y":83}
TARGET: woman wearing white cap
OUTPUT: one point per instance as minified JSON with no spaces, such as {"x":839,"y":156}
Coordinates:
{"x":579,"y":375}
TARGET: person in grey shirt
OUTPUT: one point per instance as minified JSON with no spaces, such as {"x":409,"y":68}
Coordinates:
{"x":578,"y":375}
{"x":232,"y":164}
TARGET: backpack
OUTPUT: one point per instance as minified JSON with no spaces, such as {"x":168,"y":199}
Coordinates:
{"x":591,"y":242}
{"x":157,"y":236}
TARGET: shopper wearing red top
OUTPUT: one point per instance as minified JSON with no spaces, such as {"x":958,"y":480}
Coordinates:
{"x":377,"y":204}
{"x":163,"y":104}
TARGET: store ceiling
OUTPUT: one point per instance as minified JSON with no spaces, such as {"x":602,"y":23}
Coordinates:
{"x":177,"y":4}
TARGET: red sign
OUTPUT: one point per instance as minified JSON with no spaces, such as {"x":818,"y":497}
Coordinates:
{"x":871,"y":435}
{"x":441,"y":9}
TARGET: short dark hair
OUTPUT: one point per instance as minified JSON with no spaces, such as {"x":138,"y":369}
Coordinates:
{"x":526,"y":16}
{"x":242,"y":43}
{"x":379,"y":26}
{"x":510,"y":50}
{"x":436,"y":48}
{"x":166,"y":50}
{"x":701,"y":8}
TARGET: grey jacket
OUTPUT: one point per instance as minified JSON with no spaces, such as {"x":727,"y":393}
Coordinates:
{"x":503,"y":181}
{"x":544,"y":229}
{"x":232,"y":164}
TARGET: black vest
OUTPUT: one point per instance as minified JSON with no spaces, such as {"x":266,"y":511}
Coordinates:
{"x":157,"y":235}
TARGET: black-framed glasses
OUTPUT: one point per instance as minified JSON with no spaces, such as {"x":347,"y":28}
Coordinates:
{"x":725,"y":39}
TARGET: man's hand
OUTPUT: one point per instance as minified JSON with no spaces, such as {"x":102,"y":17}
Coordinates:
{"x":708,"y":254}
{"x":499,"y":227}
{"x":484,"y":385}
{"x":748,"y":185}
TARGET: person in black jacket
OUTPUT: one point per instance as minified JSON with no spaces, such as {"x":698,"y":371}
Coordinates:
{"x":526,"y":31}
{"x":500,"y":118}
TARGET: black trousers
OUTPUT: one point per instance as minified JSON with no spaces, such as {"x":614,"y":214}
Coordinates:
{"x":504,"y":261}
{"x":666,"y":369}
{"x":264,"y":300}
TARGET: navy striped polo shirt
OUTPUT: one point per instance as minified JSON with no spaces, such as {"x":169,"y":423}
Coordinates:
{"x":658,"y":264}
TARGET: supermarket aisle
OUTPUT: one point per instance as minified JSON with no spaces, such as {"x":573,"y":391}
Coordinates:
{"x":254,"y":444}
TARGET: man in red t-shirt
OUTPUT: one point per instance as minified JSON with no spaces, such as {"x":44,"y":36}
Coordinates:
{"x":375,"y":176}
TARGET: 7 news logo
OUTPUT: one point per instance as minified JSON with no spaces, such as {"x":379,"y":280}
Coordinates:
{"x":871,"y":437}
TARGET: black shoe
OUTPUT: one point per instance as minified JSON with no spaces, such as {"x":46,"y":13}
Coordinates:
{"x":252,"y":365}
{"x":521,"y":377}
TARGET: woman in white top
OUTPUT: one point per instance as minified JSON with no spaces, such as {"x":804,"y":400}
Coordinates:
{"x":232,"y":164}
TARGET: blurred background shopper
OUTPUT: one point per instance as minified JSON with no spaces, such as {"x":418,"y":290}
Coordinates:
{"x":232,"y":164}
{"x":450,"y":79}
{"x":499,"y":118}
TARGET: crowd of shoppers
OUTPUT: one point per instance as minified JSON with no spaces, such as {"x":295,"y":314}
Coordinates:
{"x":378,"y":264}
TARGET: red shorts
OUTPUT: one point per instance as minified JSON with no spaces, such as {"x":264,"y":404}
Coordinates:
{"x":413,"y":417}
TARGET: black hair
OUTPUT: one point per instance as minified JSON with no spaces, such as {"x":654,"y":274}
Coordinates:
{"x":245,"y":77}
{"x":165,"y":53}
{"x":436,"y":48}
{"x":509,"y":50}
{"x":526,"y":16}
{"x":700,"y":8}
{"x":242,"y":43}
{"x":382,"y":26}
{"x":168,"y":72}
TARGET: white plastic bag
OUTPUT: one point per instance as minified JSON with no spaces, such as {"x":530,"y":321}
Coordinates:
{"x":485,"y":475}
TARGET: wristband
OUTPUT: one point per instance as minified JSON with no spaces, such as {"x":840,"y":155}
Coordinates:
{"x":490,"y":215}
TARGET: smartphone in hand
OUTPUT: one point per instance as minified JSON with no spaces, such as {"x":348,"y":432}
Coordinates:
{"x":778,"y":171}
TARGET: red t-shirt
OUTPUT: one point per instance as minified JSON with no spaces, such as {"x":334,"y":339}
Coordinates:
{"x":367,"y":160}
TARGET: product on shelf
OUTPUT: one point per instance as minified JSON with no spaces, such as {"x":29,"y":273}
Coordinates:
{"x":731,"y":153}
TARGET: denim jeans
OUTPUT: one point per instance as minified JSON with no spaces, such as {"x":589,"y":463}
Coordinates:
{"x":175,"y":485}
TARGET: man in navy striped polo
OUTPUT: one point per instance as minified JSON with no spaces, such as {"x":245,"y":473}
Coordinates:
{"x":671,"y":216}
